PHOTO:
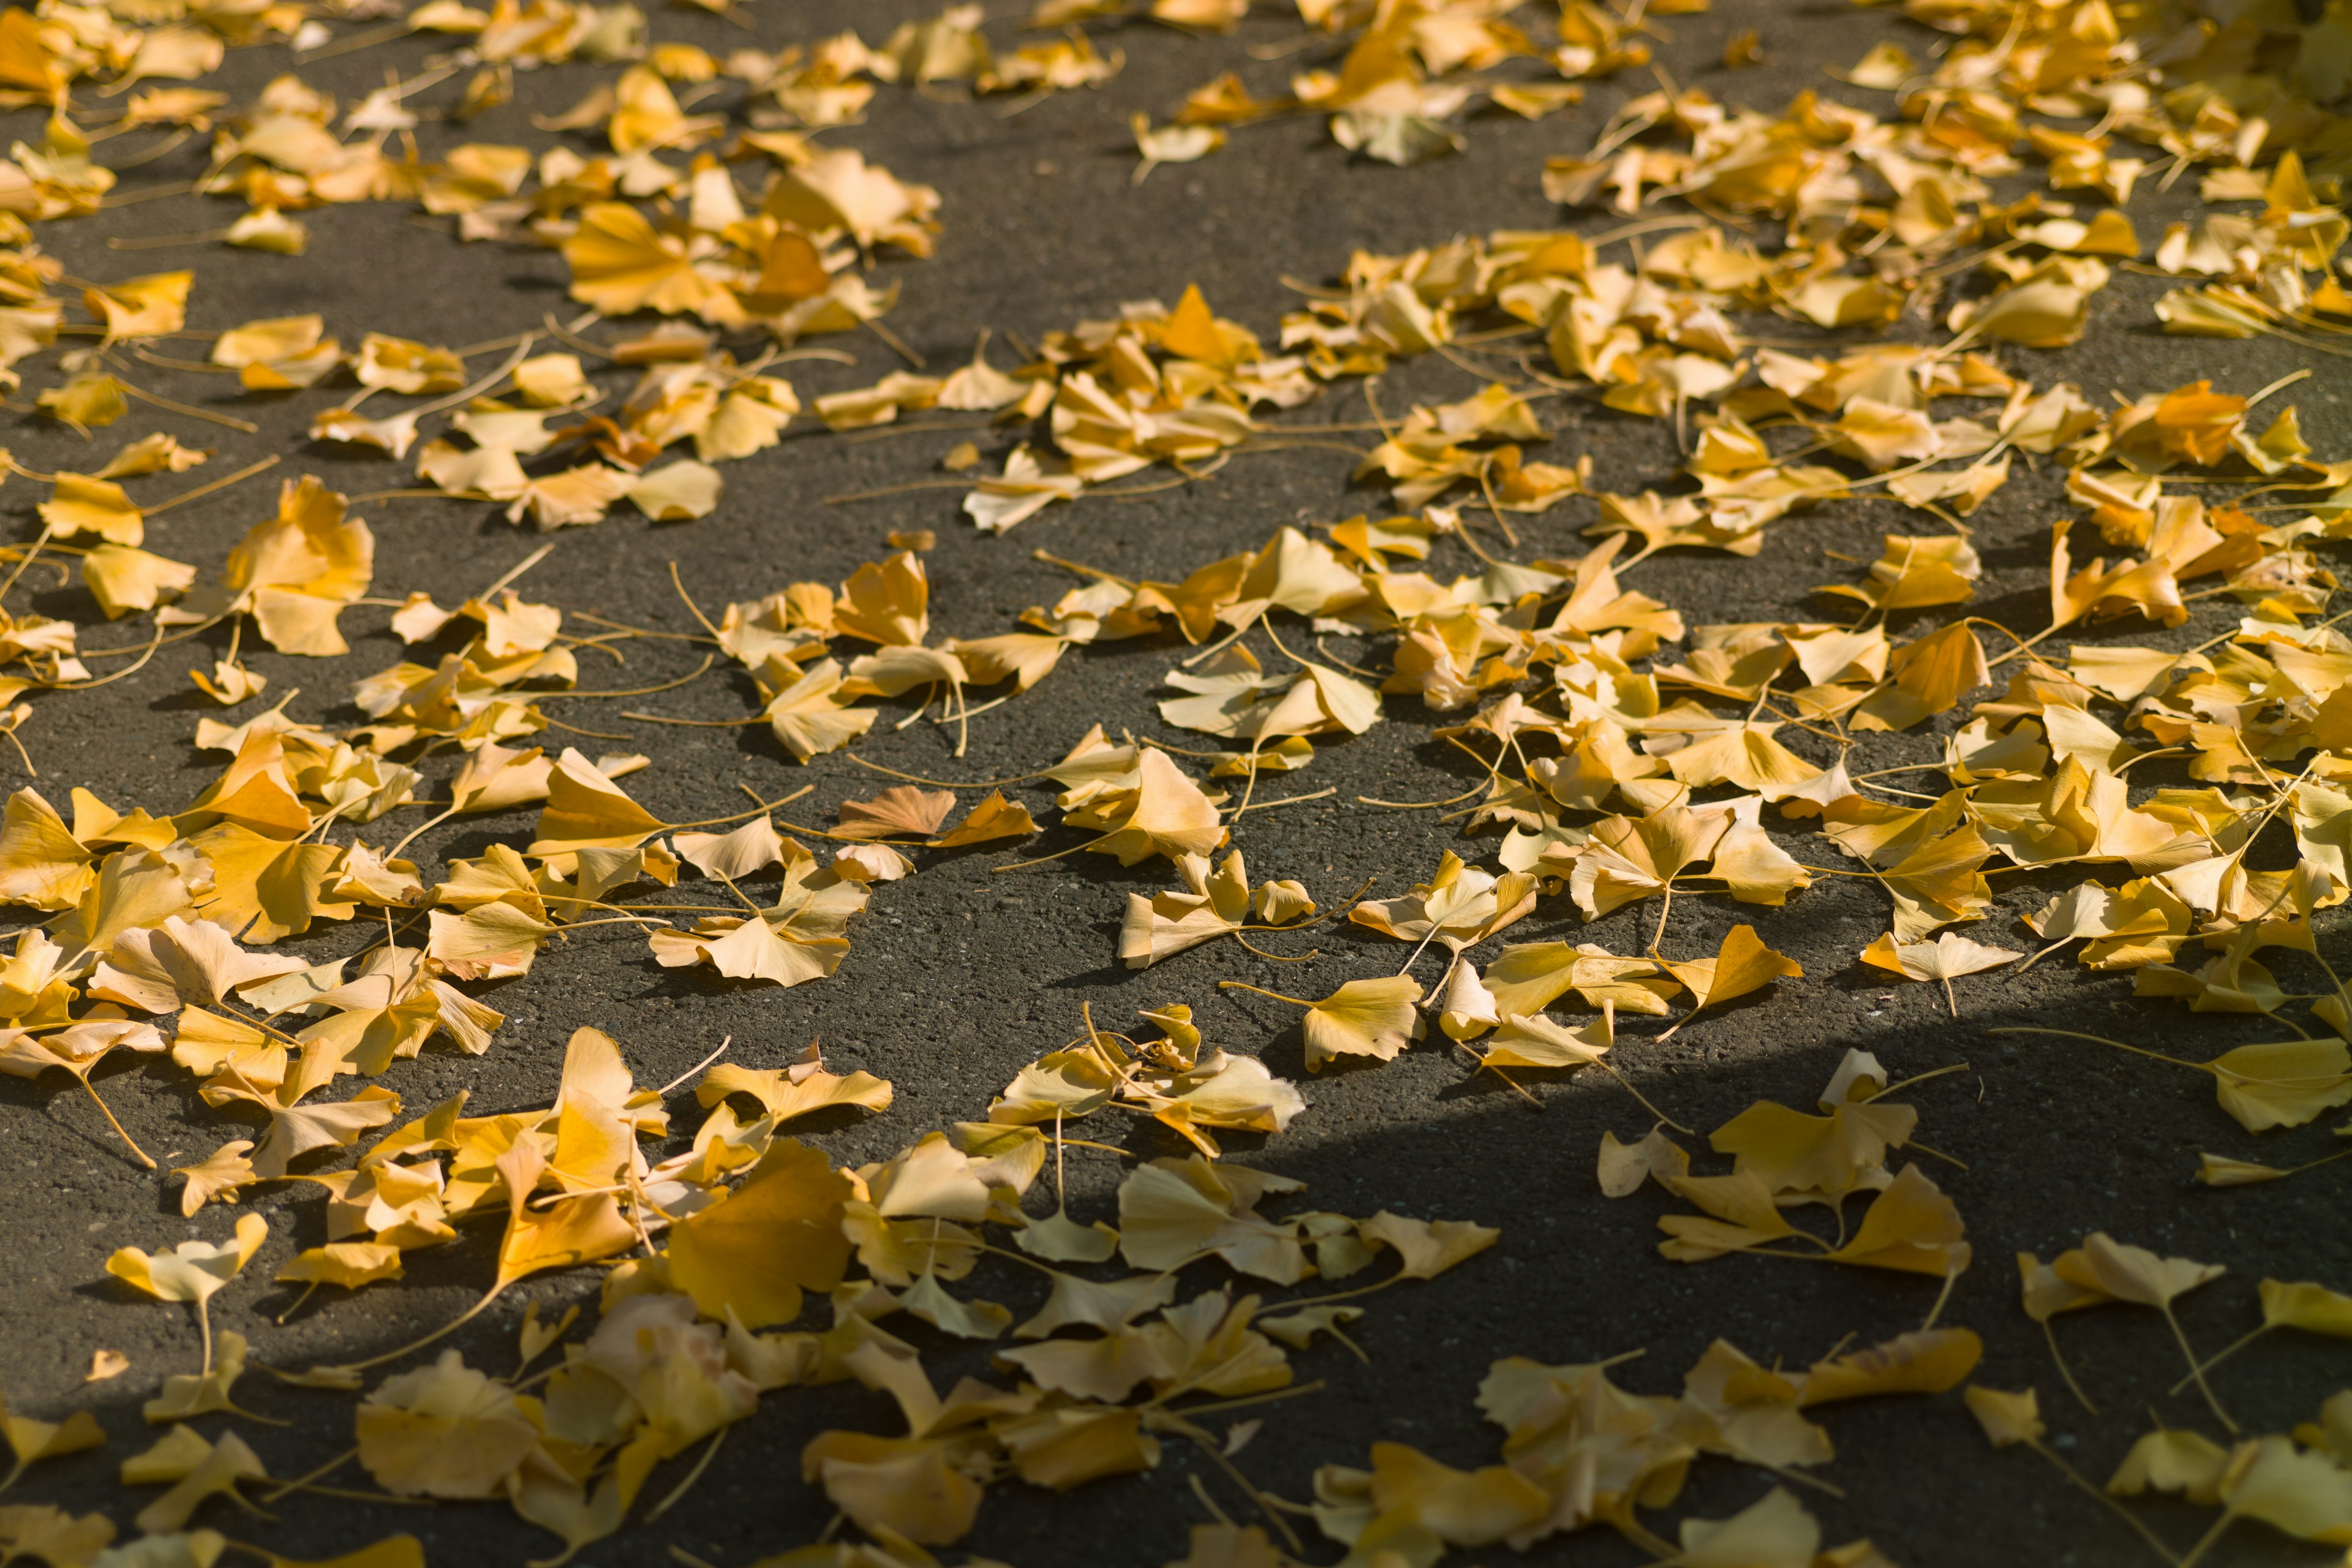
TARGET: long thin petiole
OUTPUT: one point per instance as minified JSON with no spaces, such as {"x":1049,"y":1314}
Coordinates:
{"x":2241,"y":1342}
{"x":110,"y":1122}
{"x":2156,"y":1542}
{"x":2064,"y":1371}
{"x":2197,"y":1370}
{"x":1245,"y":985}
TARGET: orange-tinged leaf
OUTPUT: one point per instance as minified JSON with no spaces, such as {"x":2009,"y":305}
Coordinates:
{"x":777,"y":1235}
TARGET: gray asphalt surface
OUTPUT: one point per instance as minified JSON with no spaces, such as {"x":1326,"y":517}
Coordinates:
{"x":958,"y":977}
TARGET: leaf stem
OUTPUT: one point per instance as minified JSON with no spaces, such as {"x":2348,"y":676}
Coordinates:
{"x":2234,"y":1346}
{"x":2064,"y":1371}
{"x":2196,"y":1368}
{"x":1243,"y":985}
{"x":2156,"y":1542}
{"x":2205,"y":1541}
{"x":87,"y":1088}
{"x":692,"y":1476}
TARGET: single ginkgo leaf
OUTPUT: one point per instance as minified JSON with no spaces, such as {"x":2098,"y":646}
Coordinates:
{"x":78,"y":1050}
{"x":799,"y":1089}
{"x":1911,"y":1226}
{"x":1426,"y":1247}
{"x":1170,"y":922}
{"x":1416,"y":1497}
{"x":2133,"y":1274}
{"x":181,"y":961}
{"x":38,"y":1531}
{"x":1534,"y":1040}
{"x":1949,"y":955}
{"x":1623,"y":1167}
{"x":2171,"y":1459}
{"x":443,"y":1431}
{"x":1058,"y":1239}
{"x":751,"y":948}
{"x":902,"y":1486}
{"x":1164,"y":814}
{"x":1466,"y":1010}
{"x":2276,"y":1083}
{"x":2118,"y":1272}
{"x":225,"y":1464}
{"x":2283,"y":1083}
{"x":1826,"y":1155}
{"x":929,"y":1299}
{"x":1742,"y":965}
{"x":1927,"y":1361}
{"x":186,"y":1395}
{"x":2302,"y":1304}
{"x":2007,"y":1418}
{"x":219,"y":1177}
{"x":2313,"y":1308}
{"x":1174,"y":1209}
{"x":903,"y":811}
{"x":2303,"y":1494}
{"x":30,"y":1440}
{"x":777,"y":1234}
{"x":732,"y":856}
{"x":349,"y":1264}
{"x":586,"y":810}
{"x":1170,"y":143}
{"x":1297,"y":1330}
{"x":192,"y":1271}
{"x":993,"y":819}
{"x":1375,"y":1018}
{"x":1459,"y":907}
{"x":1774,"y":1531}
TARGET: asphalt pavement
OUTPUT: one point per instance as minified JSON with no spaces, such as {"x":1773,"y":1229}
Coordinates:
{"x":957,"y":977}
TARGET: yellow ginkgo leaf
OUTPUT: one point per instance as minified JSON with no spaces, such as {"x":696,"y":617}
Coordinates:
{"x":905,"y":1487}
{"x":1460,"y":1508}
{"x":1911,"y":1226}
{"x":622,"y":264}
{"x":192,"y":1271}
{"x":1426,"y":1248}
{"x":1949,"y":955}
{"x":39,"y":1531}
{"x":99,"y":507}
{"x":586,"y":810}
{"x":443,"y":1431}
{"x":993,"y":819}
{"x":2110,"y":1271}
{"x":1375,"y":1018}
{"x":1742,"y":965}
{"x":2007,"y":1418}
{"x":1775,"y":1532}
{"x":2171,"y":1459}
{"x":777,"y":1234}
{"x":1927,"y":1361}
{"x":1164,"y":813}
{"x":1623,"y":1167}
{"x":147,"y":306}
{"x":30,"y":1440}
{"x":2313,"y":1308}
{"x":123,"y":580}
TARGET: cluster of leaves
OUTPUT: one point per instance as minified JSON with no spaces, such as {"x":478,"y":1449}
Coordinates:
{"x":1611,"y":784}
{"x":1399,"y":74}
{"x":751,"y":1225}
